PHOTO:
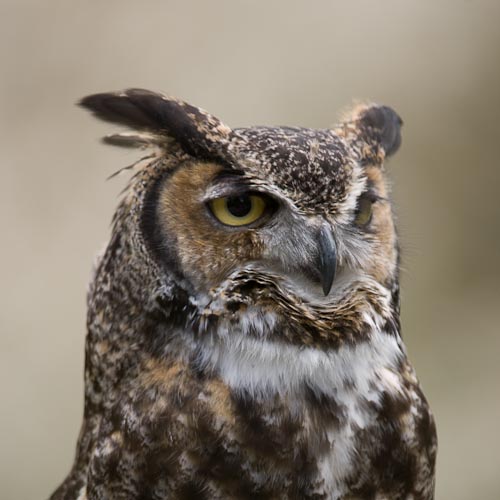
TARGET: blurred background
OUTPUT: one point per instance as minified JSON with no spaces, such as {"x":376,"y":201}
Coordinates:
{"x":263,"y":62}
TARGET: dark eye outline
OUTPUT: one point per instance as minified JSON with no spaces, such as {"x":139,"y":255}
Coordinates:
{"x":270,"y":208}
{"x":369,"y":198}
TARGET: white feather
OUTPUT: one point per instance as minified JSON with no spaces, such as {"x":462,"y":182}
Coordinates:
{"x":265,"y":368}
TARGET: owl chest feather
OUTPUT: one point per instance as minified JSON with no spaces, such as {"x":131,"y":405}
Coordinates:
{"x":245,"y":416}
{"x":320,"y":403}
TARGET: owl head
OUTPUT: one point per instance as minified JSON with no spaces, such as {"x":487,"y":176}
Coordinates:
{"x":278,"y":225}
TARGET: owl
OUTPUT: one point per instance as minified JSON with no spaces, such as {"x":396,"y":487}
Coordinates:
{"x":244,"y":337}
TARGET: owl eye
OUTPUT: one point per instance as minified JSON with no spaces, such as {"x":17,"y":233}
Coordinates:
{"x":240,"y":210}
{"x":364,"y":212}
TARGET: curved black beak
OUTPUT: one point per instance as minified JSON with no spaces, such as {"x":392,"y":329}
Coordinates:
{"x":327,"y":258}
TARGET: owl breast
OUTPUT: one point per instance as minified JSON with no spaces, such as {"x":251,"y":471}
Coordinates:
{"x":336,"y":397}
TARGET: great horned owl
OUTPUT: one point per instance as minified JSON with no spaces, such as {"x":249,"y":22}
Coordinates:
{"x":243,"y":323}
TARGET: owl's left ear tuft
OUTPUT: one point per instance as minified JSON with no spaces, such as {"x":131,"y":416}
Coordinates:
{"x":374,"y":131}
{"x":197,"y":132}
{"x":383,"y":125}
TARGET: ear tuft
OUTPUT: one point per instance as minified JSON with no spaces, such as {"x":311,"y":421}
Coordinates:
{"x":383,"y":124}
{"x":197,"y":132}
{"x":134,"y":140}
{"x":133,"y":108}
{"x":373,"y":131}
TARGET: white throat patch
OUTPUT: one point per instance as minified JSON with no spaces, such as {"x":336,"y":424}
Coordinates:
{"x":352,"y":375}
{"x":261,"y":366}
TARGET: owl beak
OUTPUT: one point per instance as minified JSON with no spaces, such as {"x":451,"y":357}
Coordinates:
{"x":327,"y":258}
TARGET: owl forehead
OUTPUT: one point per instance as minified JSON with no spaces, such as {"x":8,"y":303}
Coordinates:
{"x":313,"y":168}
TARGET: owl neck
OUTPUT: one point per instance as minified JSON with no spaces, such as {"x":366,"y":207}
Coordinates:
{"x":295,"y":347}
{"x":271,"y":368}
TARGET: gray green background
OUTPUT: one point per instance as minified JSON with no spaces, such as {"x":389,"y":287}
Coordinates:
{"x":250,"y":62}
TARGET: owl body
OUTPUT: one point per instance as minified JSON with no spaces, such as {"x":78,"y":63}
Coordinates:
{"x":243,"y":326}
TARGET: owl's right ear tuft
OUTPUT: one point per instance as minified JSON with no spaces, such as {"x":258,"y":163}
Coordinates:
{"x":197,"y":132}
{"x":135,"y":110}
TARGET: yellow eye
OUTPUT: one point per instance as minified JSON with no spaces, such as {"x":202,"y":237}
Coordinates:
{"x":238,"y":210}
{"x":364,"y":212}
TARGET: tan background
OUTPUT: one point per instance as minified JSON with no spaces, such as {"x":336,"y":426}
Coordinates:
{"x":263,"y":62}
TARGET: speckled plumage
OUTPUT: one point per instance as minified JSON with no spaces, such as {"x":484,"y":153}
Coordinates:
{"x":216,"y":367}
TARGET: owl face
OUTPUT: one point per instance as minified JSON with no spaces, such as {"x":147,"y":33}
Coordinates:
{"x":228,"y":220}
{"x":293,"y":221}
